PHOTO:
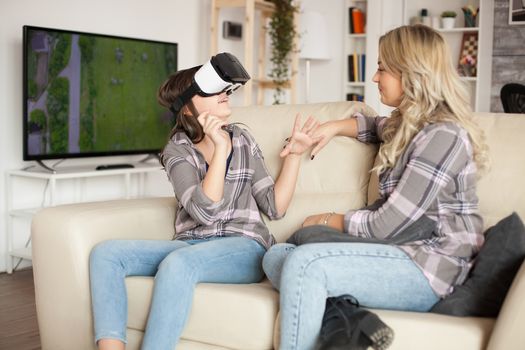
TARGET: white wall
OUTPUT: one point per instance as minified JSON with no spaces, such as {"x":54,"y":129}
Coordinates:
{"x":181,"y":21}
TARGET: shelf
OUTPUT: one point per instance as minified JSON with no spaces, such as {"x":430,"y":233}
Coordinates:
{"x":84,"y":171}
{"x":262,"y":5}
{"x":24,"y":253}
{"x":356,"y":84}
{"x":458,"y":30}
{"x":24,"y":213}
{"x":357,"y":36}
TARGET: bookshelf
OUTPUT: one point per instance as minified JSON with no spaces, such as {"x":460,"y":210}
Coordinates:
{"x":384,"y":15}
{"x":478,"y":85}
{"x":354,"y":45}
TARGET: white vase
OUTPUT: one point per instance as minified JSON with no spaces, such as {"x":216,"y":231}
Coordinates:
{"x":448,"y":22}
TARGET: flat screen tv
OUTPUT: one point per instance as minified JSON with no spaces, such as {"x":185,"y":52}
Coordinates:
{"x":88,"y":95}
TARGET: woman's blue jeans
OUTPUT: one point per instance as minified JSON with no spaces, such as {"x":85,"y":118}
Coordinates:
{"x":379,"y":276}
{"x":177,"y":266}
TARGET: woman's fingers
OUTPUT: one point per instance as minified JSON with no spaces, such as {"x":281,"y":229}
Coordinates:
{"x":321,"y":142}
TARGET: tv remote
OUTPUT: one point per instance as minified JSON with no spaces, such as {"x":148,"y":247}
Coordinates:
{"x":114,"y":166}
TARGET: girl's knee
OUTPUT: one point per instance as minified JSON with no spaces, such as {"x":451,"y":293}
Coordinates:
{"x":103,"y":251}
{"x":178,"y":260}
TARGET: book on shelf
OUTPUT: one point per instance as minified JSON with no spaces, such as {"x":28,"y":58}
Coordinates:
{"x":356,"y":19}
{"x":356,"y":67}
{"x":355,"y":97}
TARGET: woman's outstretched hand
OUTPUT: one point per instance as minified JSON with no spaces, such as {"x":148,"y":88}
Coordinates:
{"x":332,"y":220}
{"x":302,"y":137}
{"x":323,"y":134}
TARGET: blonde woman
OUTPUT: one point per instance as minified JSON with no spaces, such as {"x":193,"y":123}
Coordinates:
{"x":430,"y":155}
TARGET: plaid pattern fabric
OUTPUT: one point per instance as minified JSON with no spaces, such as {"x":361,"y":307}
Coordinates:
{"x":248,"y":188}
{"x":435,"y":176}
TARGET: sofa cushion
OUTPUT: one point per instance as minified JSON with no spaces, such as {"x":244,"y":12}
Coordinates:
{"x":233,"y":316}
{"x":423,"y":330}
{"x":496,"y":265}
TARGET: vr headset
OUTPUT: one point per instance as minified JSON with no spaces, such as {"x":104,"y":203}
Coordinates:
{"x":222,"y":73}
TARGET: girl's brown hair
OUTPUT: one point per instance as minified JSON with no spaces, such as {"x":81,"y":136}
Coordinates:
{"x":168,"y":93}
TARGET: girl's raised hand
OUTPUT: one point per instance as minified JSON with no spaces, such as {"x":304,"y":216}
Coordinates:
{"x":302,"y":137}
{"x":212,"y":127}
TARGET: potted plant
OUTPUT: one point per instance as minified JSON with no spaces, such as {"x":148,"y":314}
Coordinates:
{"x":448,"y":19}
{"x":282,"y":32}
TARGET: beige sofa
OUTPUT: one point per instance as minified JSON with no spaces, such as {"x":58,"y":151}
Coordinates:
{"x":244,"y":317}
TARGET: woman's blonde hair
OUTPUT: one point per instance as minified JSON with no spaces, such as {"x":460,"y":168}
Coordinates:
{"x":432,"y":92}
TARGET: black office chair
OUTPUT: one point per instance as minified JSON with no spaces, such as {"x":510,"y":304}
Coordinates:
{"x":513,"y":98}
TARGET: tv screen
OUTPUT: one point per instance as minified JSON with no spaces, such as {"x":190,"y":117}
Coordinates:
{"x":91,"y":95}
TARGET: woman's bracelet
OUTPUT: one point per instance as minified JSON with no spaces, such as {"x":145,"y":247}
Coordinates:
{"x":327,"y":217}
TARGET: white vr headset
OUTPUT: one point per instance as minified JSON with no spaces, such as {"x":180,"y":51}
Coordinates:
{"x":222,"y":73}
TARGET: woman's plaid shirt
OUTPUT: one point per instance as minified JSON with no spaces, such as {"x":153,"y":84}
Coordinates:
{"x":435,"y":176}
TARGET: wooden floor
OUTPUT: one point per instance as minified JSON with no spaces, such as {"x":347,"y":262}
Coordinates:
{"x":18,"y":325}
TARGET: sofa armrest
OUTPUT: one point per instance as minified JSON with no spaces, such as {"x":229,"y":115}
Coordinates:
{"x":62,"y":239}
{"x":508,"y":330}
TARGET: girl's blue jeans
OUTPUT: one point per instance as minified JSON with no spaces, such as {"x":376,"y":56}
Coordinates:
{"x":177,"y":266}
{"x":379,"y":276}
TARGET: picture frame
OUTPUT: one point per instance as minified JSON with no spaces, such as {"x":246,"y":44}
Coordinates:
{"x":468,"y":55}
{"x":517,"y":12}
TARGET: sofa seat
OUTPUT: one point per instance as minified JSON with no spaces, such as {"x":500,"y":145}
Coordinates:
{"x":415,"y":330}
{"x":226,"y":315}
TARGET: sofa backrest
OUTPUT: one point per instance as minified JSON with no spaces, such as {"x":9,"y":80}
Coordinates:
{"x":501,"y":190}
{"x":336,"y":180}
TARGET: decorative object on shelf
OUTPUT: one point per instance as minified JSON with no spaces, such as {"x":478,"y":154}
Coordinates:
{"x":356,"y":20}
{"x":470,"y":14}
{"x":516,"y":12}
{"x":356,"y":67}
{"x":282,"y":32}
{"x":468,"y":56}
{"x":425,"y":18}
{"x":313,"y":43}
{"x":355,"y":97}
{"x":231,"y":30}
{"x":448,"y":19}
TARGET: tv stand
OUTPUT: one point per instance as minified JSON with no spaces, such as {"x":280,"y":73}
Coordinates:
{"x":49,"y":179}
{"x":150,"y":156}
{"x":48,"y":168}
{"x":114,"y":166}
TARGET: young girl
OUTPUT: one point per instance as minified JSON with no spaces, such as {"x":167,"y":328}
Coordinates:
{"x":430,"y":153}
{"x":220,"y":181}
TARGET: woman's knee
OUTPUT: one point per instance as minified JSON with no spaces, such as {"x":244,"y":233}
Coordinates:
{"x":273,"y":262}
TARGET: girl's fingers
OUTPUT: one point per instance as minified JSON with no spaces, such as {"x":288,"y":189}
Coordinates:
{"x":297,"y":124}
{"x":286,"y":151}
{"x":320,"y":144}
{"x":308,"y":124}
{"x":312,"y":129}
{"x":202,"y":118}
